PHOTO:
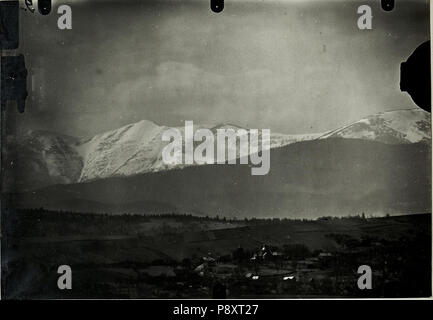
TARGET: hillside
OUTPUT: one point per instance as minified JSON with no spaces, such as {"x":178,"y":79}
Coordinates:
{"x":39,"y":158}
{"x":307,"y":179}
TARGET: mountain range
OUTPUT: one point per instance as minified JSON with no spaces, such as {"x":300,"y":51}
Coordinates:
{"x":379,"y":164}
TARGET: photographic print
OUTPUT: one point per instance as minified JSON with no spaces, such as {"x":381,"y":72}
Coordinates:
{"x":188,"y":149}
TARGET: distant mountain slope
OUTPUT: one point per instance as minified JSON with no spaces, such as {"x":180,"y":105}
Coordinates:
{"x":43,"y":158}
{"x":137,"y":148}
{"x":307,"y":179}
{"x":132,"y":149}
{"x":399,"y":126}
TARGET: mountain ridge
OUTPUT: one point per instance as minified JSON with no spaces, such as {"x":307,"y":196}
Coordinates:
{"x":136,"y":148}
{"x":307,"y":179}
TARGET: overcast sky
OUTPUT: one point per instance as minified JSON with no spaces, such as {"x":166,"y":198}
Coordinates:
{"x":291,"y":66}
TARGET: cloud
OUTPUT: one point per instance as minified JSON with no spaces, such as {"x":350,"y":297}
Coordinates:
{"x":292,"y":67}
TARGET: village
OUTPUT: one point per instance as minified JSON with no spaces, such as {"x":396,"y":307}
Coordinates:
{"x":266,"y":271}
{"x":263,"y":267}
{"x":199,"y":257}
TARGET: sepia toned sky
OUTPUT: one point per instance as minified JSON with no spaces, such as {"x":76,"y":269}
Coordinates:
{"x":291,"y":66}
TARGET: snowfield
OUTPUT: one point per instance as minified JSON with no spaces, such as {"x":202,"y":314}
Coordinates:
{"x":136,"y":148}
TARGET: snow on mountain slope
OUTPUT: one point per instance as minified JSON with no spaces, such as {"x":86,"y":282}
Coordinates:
{"x":46,"y":158}
{"x":393,"y":127}
{"x":137,"y":148}
{"x":280,"y":140}
{"x":40,"y":158}
{"x":132,"y":149}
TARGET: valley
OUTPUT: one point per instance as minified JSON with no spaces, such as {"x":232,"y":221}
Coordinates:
{"x":139,"y":256}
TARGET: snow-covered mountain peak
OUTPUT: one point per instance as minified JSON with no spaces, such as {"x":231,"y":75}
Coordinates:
{"x":48,"y":158}
{"x":392,"y":127}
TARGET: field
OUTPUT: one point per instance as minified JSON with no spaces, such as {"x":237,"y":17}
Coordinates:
{"x":183,"y":256}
